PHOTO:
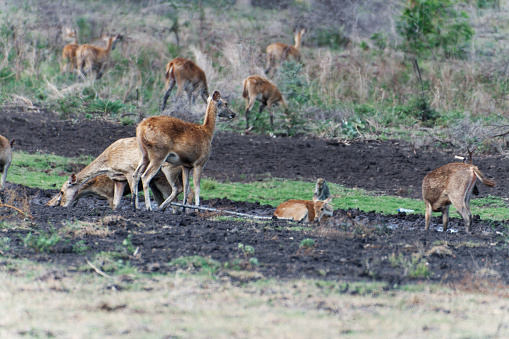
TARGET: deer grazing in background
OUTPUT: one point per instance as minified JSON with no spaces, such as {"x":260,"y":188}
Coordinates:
{"x":6,"y":147}
{"x":258,"y":88}
{"x":188,"y":77}
{"x":92,"y":58}
{"x":281,"y":51}
{"x":69,"y":51}
{"x":118,"y":162}
{"x":451,"y":183}
{"x":299,"y":210}
{"x":181,"y":143}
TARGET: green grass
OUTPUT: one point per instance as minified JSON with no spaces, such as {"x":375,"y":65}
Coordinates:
{"x":47,"y":171}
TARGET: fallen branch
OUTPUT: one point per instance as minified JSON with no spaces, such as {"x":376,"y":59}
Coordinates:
{"x":211,"y":209}
{"x":97,"y":270}
{"x":17,"y":210}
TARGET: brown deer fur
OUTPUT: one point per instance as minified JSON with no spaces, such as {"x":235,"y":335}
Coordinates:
{"x":164,"y":138}
{"x":452,"y":183}
{"x":118,"y":162}
{"x":92,"y":58}
{"x":258,"y":88}
{"x":188,"y":77}
{"x":280,"y":51}
{"x":302,"y":209}
{"x":5,"y":158}
{"x":69,"y":51}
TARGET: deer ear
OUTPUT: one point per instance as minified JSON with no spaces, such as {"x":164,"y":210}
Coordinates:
{"x":13,"y":141}
{"x":216,"y":96}
{"x":327,"y":200}
{"x":72,"y":179}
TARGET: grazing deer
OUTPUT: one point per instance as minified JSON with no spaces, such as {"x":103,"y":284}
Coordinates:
{"x":69,"y":51}
{"x":451,"y":183}
{"x":6,"y":147}
{"x":92,"y":58}
{"x":181,"y":143}
{"x":258,"y":88}
{"x":102,"y":187}
{"x":118,"y":162}
{"x":280,"y":51}
{"x":321,"y":190}
{"x":302,"y":209}
{"x":188,"y":77}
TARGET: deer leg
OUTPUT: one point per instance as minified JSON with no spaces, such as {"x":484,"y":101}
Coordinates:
{"x":167,"y":95}
{"x":428,"y":215}
{"x":146,"y":178}
{"x":262,"y":106}
{"x":175,"y":190}
{"x":136,"y":180}
{"x":204,"y":96}
{"x":119,"y":192}
{"x":196,"y":181}
{"x":190,"y":98}
{"x":250,"y":104}
{"x":445,"y":217}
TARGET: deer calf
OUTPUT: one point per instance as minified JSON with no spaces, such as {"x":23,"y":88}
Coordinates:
{"x":69,"y":51}
{"x":451,"y":183}
{"x":188,"y":77}
{"x":6,"y":147}
{"x":302,"y":209}
{"x":92,"y":58}
{"x":280,"y":51}
{"x":258,"y":88}
{"x":168,"y":139}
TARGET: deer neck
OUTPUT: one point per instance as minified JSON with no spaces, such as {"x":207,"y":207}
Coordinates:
{"x":89,"y":172}
{"x":298,"y":38}
{"x":210,"y":117}
{"x":109,"y":45}
{"x":76,"y":39}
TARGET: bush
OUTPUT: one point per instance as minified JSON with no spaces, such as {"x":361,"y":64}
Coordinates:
{"x":431,"y":26}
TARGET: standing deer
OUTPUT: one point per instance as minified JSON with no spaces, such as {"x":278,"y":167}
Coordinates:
{"x":6,"y":147}
{"x":69,"y":51}
{"x":302,"y":209}
{"x":92,"y":58}
{"x":164,"y":138}
{"x":451,"y":183}
{"x":258,"y":88}
{"x":280,"y":51}
{"x":118,"y":162}
{"x":188,"y":77}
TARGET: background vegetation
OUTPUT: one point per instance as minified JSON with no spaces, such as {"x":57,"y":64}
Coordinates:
{"x":431,"y":72}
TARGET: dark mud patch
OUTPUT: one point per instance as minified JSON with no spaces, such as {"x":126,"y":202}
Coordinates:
{"x":352,"y":245}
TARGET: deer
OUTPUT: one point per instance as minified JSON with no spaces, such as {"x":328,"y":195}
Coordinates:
{"x":188,"y":77}
{"x":118,"y":161}
{"x":6,"y":148}
{"x":91,"y":58}
{"x":69,"y":51}
{"x":451,"y":184}
{"x":321,"y":190}
{"x":181,"y":143}
{"x":258,"y":88}
{"x":103,"y":188}
{"x":300,"y":210}
{"x":280,"y":51}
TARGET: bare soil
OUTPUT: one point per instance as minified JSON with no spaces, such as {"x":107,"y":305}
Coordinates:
{"x":352,"y":245}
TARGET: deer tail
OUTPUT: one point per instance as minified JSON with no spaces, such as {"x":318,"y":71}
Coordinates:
{"x":482,"y":178}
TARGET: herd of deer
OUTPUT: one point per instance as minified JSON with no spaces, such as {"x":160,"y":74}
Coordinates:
{"x":166,"y":149}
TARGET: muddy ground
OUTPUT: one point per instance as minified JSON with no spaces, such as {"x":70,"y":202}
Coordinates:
{"x":351,"y":245}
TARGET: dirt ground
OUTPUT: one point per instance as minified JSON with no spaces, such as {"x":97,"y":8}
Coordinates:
{"x":352,"y":245}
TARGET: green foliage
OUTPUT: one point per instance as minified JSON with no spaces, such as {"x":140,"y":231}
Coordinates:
{"x":415,"y":267}
{"x":198,"y":263}
{"x":432,"y":26}
{"x":5,"y":244}
{"x":42,"y":243}
{"x":79,"y":247}
{"x":487,"y":3}
{"x":333,"y":38}
{"x":379,"y":40}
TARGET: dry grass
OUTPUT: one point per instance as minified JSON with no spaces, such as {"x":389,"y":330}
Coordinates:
{"x":39,"y":300}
